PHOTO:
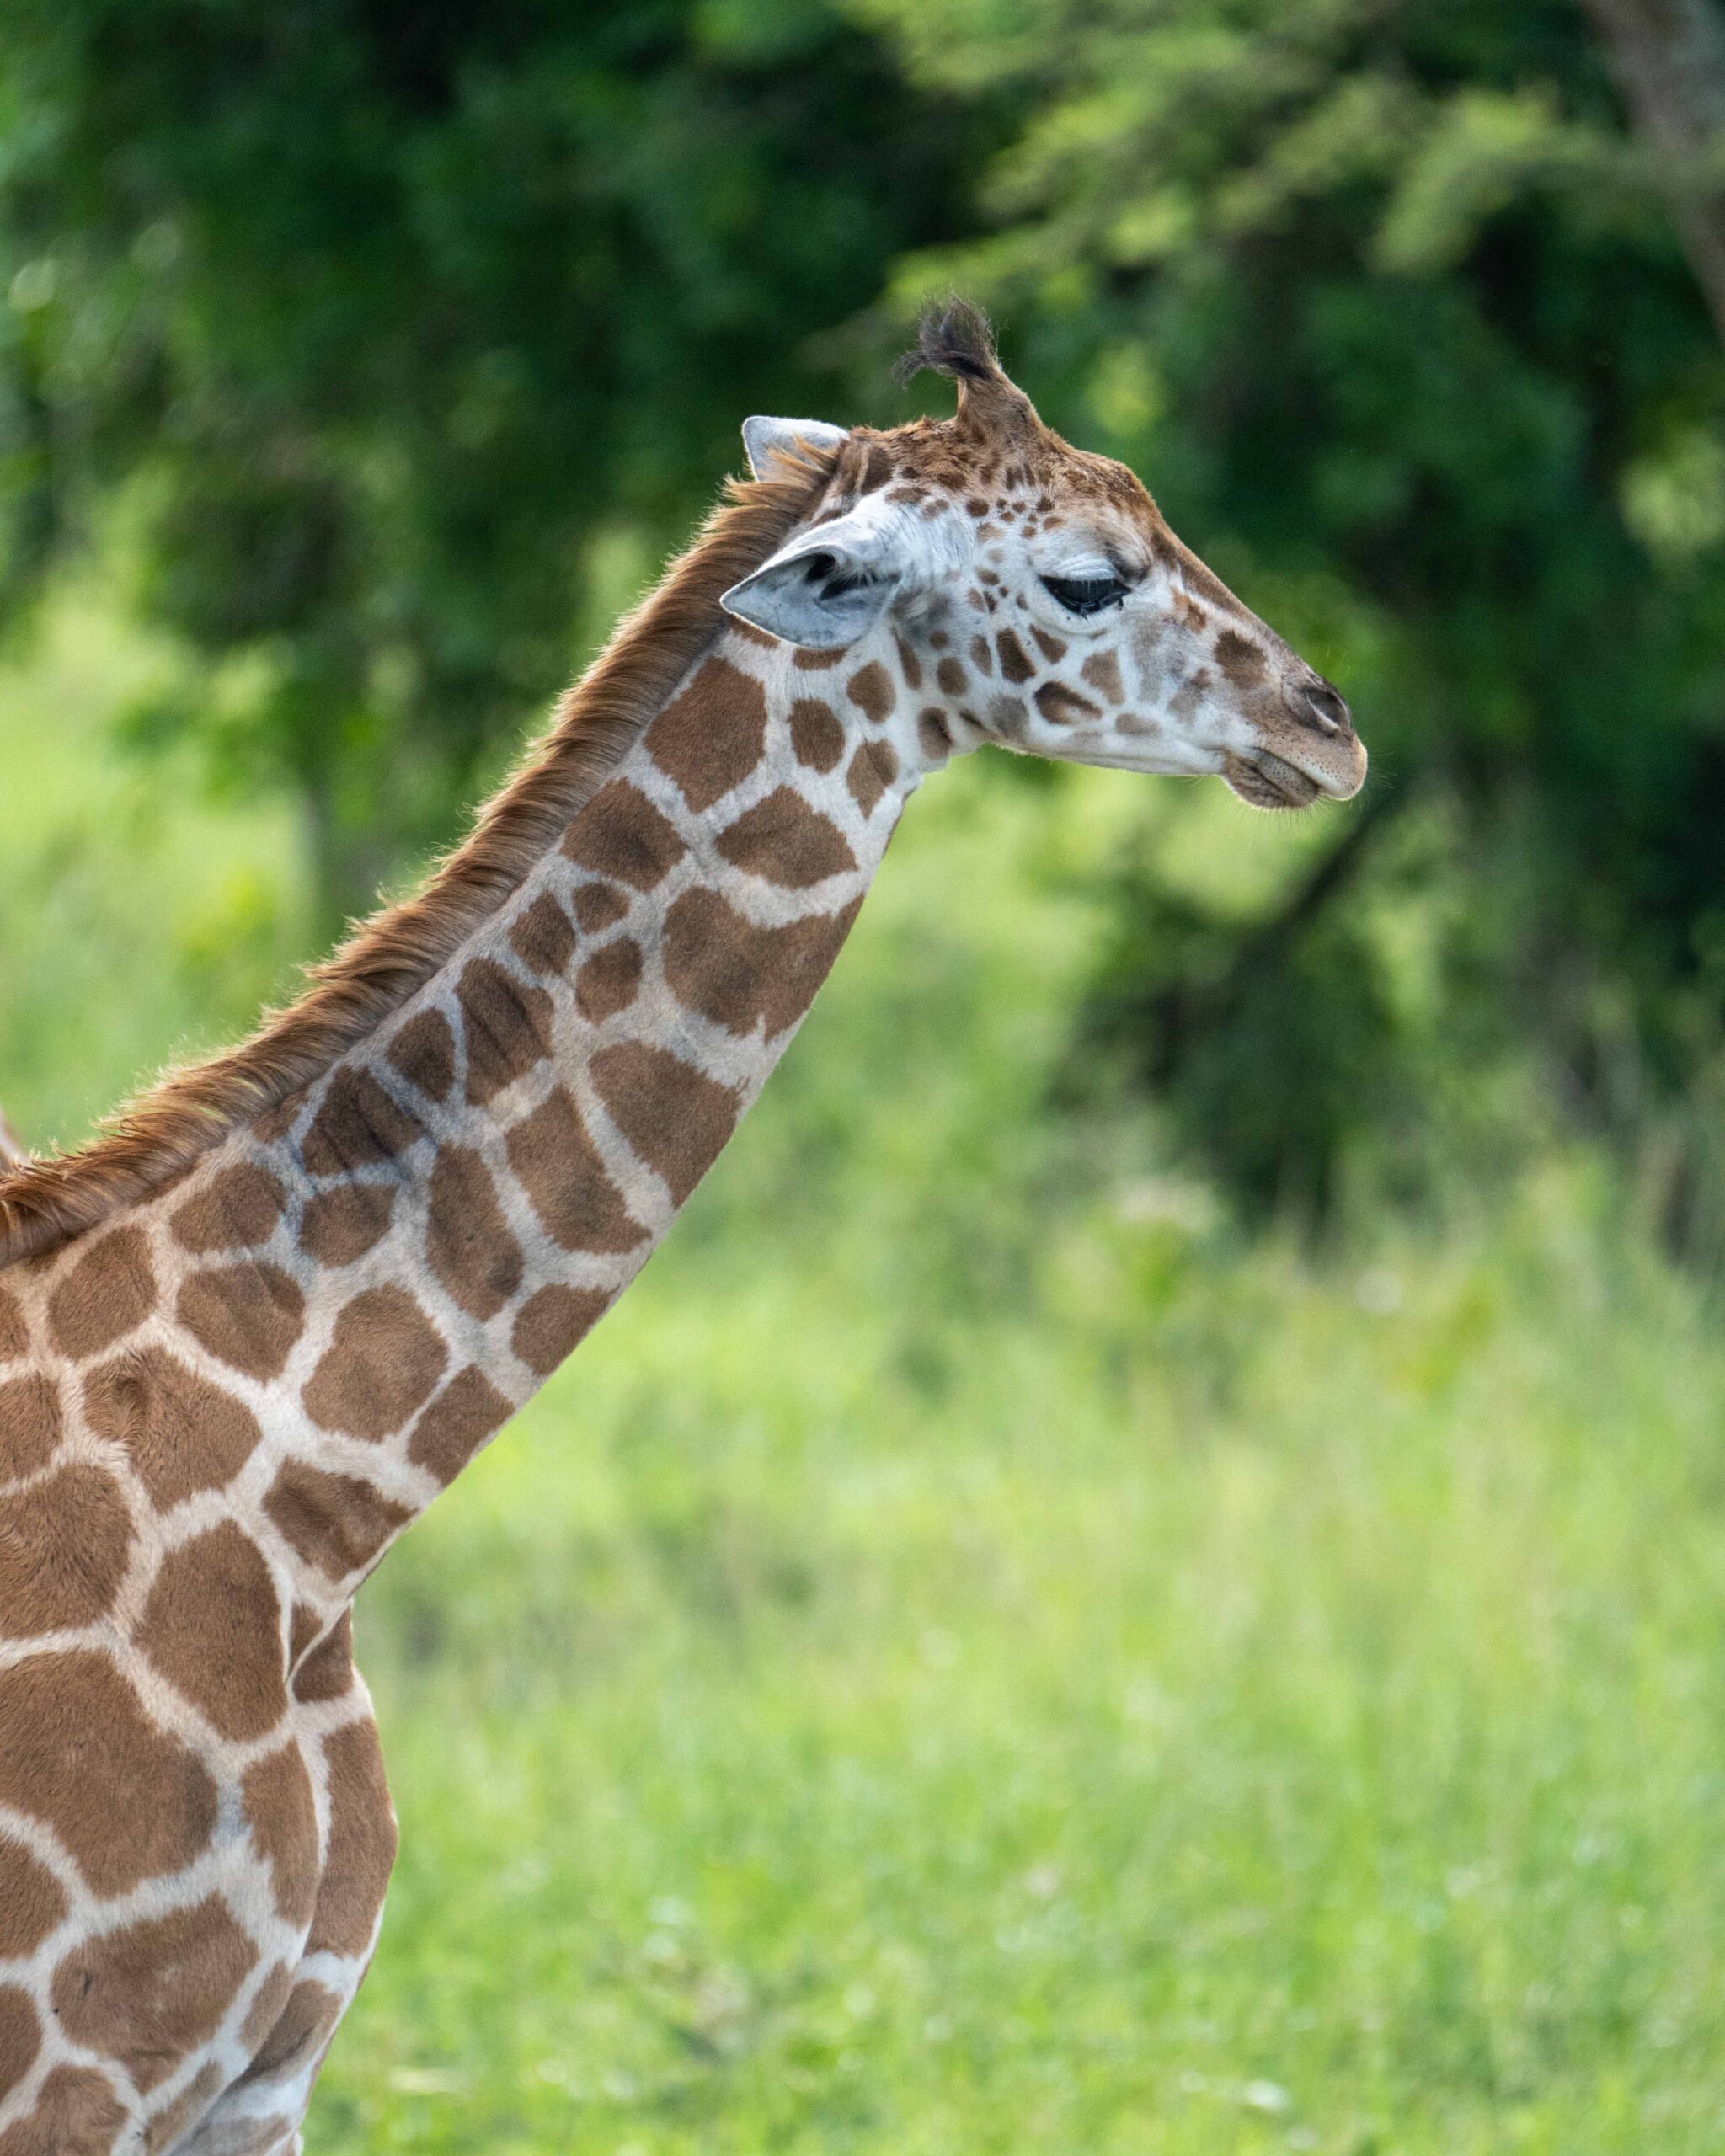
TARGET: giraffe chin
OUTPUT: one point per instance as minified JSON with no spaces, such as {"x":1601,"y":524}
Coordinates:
{"x":1266,"y":781}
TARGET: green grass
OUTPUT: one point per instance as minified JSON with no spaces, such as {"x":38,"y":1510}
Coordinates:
{"x":971,"y":1658}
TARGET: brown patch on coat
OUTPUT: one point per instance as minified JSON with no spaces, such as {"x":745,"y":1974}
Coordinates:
{"x":508,"y":1027}
{"x":1101,"y":669}
{"x":1240,"y":660}
{"x":268,"y":2000}
{"x":817,"y":739}
{"x":871,"y":770}
{"x":566,"y":1182}
{"x":343,"y":1223}
{"x":1051,"y":648}
{"x":277,"y":1798}
{"x":248,"y":1315}
{"x":236,"y":1209}
{"x":675,"y":1116}
{"x":362,"y":1842}
{"x":29,"y":1425}
{"x":64,"y":1543}
{"x":424,"y":1053}
{"x":32,"y":1901}
{"x":77,"y":2111}
{"x":598,"y":905}
{"x":334,"y":1522}
{"x":307,"y":2022}
{"x":148,"y":1993}
{"x":303,"y":1631}
{"x":870,"y":688}
{"x":720,"y":964}
{"x":909,"y":666}
{"x":620,"y":833}
{"x":953,"y":679}
{"x":554,"y":1323}
{"x":711,"y":737}
{"x":468,"y":1411}
{"x":543,"y":937}
{"x":876,"y":468}
{"x":816,"y":661}
{"x":212,"y":1627}
{"x":381,"y":1365}
{"x":785,"y":841}
{"x":467,"y":1239}
{"x":304,"y":1624}
{"x":1063,"y":706}
{"x":358,"y":1126}
{"x":20,"y":2036}
{"x":182,"y":1433}
{"x":108,"y":1292}
{"x":14,"y":1333}
{"x":933,"y":735}
{"x":77,"y":1752}
{"x":610,"y":981}
{"x":1015,"y":662}
{"x":328,"y":1671}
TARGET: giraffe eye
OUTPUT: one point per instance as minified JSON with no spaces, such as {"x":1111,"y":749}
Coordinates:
{"x":1086,"y":594}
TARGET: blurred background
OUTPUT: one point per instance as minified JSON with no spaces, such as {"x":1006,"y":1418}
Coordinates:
{"x":1146,"y":1574}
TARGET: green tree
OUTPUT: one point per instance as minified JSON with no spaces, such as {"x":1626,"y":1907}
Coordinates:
{"x":1390,"y":305}
{"x":385,"y":321}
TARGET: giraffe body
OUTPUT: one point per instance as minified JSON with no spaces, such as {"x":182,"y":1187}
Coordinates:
{"x":246,"y":1342}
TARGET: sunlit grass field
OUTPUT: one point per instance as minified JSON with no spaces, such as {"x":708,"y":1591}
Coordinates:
{"x":972,"y":1657}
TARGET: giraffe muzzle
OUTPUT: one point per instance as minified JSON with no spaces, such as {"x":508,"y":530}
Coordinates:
{"x":1307,"y":747}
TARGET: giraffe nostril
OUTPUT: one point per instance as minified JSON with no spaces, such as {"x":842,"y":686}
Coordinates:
{"x":1314,"y":704}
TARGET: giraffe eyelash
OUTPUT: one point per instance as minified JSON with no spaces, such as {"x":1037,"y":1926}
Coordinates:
{"x":1086,"y":594}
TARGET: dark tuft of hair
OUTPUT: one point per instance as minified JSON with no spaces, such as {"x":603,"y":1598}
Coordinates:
{"x":954,"y":339}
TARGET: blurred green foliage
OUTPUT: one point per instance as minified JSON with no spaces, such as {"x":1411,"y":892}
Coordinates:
{"x":380,"y":319}
{"x":391,"y":346}
{"x":1388,"y":308}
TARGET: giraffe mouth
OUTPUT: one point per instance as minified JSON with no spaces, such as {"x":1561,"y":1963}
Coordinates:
{"x":1267,"y":780}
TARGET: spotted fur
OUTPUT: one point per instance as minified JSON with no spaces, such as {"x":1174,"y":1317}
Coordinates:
{"x":246,"y":1340}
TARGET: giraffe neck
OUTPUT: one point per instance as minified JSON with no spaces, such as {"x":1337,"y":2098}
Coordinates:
{"x":374,"y":1276}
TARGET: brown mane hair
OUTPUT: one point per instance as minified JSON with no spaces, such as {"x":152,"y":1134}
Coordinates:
{"x":163,"y":1132}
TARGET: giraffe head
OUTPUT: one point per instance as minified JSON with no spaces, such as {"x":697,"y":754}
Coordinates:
{"x":1037,"y":597}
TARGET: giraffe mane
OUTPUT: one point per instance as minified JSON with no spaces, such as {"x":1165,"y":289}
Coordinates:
{"x":159,"y":1135}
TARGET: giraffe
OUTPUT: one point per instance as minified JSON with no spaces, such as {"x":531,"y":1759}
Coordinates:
{"x":249,"y":1334}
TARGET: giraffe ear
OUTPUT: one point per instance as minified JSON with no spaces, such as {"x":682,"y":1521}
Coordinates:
{"x":824,"y":589}
{"x":767,"y":441}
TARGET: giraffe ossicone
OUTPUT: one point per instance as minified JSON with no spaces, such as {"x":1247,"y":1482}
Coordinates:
{"x":247,"y":1336}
